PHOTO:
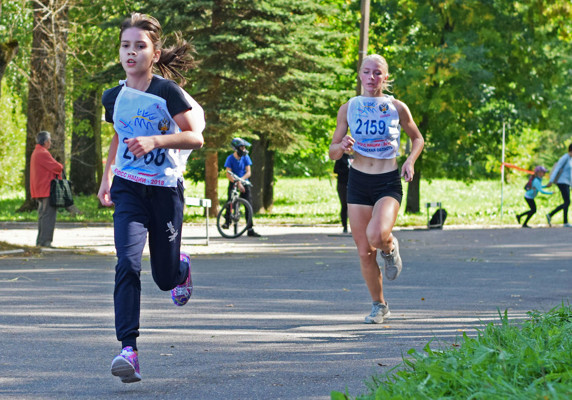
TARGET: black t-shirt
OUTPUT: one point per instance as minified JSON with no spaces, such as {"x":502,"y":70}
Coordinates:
{"x":165,"y":88}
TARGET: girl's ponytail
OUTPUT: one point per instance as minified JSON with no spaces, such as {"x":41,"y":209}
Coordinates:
{"x":176,"y":59}
{"x":528,"y":185}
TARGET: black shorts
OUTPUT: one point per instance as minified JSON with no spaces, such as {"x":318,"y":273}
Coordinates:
{"x":367,"y":189}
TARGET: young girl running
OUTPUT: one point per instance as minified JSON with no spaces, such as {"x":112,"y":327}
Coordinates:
{"x":156,"y":125}
{"x":374,"y":187}
{"x":535,"y":187}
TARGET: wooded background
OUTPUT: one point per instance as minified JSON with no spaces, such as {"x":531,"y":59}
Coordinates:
{"x":276,"y":71}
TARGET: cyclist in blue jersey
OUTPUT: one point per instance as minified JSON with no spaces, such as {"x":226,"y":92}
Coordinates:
{"x":375,"y":120}
{"x":239,"y":163}
{"x":156,"y":124}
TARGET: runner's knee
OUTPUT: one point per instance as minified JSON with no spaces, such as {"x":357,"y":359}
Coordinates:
{"x":379,"y":237}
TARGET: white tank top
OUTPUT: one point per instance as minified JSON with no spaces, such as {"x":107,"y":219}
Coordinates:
{"x":137,"y":113}
{"x":374,"y":124}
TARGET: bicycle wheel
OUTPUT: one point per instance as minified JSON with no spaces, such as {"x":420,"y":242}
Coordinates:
{"x":239,"y":218}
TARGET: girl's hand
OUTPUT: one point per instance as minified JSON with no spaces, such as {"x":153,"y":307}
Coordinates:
{"x":104,"y":193}
{"x":140,"y":145}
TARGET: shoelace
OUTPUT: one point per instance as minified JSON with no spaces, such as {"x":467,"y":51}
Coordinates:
{"x":389,"y":257}
{"x":374,"y":309}
{"x":129,"y":355}
{"x":183,"y":290}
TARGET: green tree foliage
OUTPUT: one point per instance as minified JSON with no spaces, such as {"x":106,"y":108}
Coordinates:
{"x":309,"y":157}
{"x":12,"y":136}
{"x":46,"y":83}
{"x":465,"y":67}
{"x":15,"y":27}
{"x":278,"y":70}
{"x":93,"y":67}
{"x":263,"y":64}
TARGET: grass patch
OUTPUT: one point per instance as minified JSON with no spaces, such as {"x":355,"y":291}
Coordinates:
{"x":504,"y":361}
{"x":313,"y":201}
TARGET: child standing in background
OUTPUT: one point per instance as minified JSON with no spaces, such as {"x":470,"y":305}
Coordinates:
{"x":535,"y":184}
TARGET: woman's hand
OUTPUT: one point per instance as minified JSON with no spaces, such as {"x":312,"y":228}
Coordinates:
{"x":347,"y":143}
{"x":407,"y":171}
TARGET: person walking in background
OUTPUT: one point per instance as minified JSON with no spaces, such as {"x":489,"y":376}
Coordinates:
{"x":534,"y":186}
{"x":342,"y":169}
{"x":374,"y":186}
{"x":561,"y":174}
{"x":43,"y":169}
{"x":153,"y":119}
{"x":239,"y":163}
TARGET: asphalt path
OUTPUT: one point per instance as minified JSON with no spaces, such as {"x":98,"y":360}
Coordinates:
{"x":280,"y":317}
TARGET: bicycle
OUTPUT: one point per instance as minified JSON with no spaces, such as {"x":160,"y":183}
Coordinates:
{"x":235,"y":217}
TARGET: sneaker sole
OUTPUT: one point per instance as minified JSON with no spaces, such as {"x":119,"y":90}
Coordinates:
{"x":374,"y":321}
{"x":123,"y":369}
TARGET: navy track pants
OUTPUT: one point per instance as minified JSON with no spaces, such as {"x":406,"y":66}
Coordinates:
{"x":141,"y":210}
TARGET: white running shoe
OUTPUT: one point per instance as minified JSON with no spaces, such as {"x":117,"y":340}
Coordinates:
{"x":392,"y":261}
{"x":378,"y":313}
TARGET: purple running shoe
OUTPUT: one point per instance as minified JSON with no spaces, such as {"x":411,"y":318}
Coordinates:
{"x":126,"y":366}
{"x":182,"y":293}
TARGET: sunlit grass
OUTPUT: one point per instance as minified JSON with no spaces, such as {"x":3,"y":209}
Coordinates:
{"x":313,"y":201}
{"x":507,"y":360}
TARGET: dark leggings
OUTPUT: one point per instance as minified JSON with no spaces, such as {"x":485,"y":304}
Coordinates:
{"x":565,"y":191}
{"x":343,"y":195}
{"x":529,"y":213}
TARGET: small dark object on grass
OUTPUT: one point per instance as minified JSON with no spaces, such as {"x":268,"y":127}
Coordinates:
{"x":438,"y":219}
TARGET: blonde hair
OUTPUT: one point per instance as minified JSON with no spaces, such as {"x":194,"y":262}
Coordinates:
{"x":381,"y":61}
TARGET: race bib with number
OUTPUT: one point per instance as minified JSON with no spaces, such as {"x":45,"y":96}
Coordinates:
{"x":374,"y":124}
{"x":136,"y":114}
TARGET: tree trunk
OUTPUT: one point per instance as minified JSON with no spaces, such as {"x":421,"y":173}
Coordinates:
{"x":7,"y":52}
{"x":85,"y":163}
{"x":211,"y":180}
{"x":268,"y":189}
{"x":258,"y":170}
{"x":46,"y":86}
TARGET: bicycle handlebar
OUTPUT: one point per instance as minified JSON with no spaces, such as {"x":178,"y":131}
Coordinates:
{"x":239,"y":179}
